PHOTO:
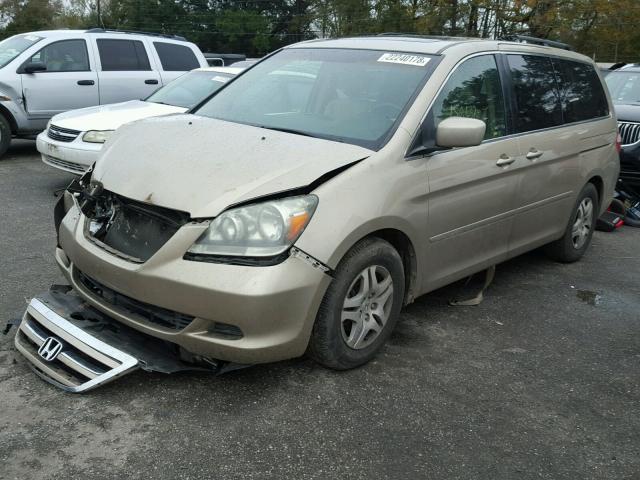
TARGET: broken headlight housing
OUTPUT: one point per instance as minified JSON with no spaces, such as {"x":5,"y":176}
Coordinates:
{"x":97,"y":136}
{"x":261,"y":230}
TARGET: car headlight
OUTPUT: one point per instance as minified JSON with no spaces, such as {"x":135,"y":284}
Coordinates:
{"x":97,"y":136}
{"x":261,"y":230}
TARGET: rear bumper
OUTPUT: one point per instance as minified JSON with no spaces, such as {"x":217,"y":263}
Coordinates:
{"x":73,"y":157}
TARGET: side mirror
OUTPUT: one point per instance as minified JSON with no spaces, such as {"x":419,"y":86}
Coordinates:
{"x":33,"y":67}
{"x":460,"y":132}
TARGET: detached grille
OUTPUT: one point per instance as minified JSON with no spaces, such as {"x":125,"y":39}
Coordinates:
{"x":81,"y":363}
{"x":630,"y":132}
{"x":150,"y":313}
{"x":62,"y":134}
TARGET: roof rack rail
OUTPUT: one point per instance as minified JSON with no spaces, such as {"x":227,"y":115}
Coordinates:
{"x":537,"y":41}
{"x":430,"y":37}
{"x":134,"y":32}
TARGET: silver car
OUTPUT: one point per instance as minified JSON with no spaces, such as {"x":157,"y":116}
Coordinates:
{"x":49,"y":72}
{"x":307,"y":201}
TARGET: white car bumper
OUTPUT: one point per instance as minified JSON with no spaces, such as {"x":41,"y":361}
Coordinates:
{"x":74,"y":157}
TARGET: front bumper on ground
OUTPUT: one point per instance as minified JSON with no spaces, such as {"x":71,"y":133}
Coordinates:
{"x":73,"y":157}
{"x":274,"y":307}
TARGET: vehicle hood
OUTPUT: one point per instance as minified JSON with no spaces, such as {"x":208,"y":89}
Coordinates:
{"x":201,"y":165}
{"x":112,"y":116}
{"x":627,"y":113}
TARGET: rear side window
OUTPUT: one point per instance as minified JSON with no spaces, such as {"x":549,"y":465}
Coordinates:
{"x":176,"y":58}
{"x":581,"y":91}
{"x":64,"y":56}
{"x":474,"y":91}
{"x":122,"y":55}
{"x":536,"y":91}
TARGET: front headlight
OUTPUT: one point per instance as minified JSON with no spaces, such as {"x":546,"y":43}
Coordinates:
{"x":261,"y":230}
{"x":97,"y":136}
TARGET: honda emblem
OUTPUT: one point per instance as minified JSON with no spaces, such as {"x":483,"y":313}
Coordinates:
{"x":50,"y":349}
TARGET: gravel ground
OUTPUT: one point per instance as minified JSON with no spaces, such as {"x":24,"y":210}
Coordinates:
{"x":540,"y":381}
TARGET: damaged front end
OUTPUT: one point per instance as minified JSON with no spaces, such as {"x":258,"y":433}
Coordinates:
{"x":126,"y":228}
{"x":77,"y":348}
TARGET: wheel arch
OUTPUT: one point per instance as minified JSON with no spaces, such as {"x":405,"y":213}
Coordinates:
{"x":4,"y":111}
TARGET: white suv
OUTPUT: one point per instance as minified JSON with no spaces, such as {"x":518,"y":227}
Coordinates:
{"x":46,"y":73}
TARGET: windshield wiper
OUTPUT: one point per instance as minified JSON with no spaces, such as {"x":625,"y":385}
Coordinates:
{"x":289,"y":130}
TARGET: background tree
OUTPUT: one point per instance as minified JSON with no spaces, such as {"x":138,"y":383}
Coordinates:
{"x":603,"y":29}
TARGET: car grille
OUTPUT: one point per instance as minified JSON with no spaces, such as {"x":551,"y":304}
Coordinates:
{"x":149,"y":313}
{"x":62,"y":134}
{"x":74,"y":167}
{"x":82,"y":362}
{"x":629,"y":132}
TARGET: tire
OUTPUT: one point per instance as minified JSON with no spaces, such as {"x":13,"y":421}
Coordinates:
{"x":5,"y":135}
{"x":341,"y":343}
{"x":571,"y":247}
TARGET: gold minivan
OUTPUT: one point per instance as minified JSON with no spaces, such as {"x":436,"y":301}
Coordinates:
{"x":302,"y":205}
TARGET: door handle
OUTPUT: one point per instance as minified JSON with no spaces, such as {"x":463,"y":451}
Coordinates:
{"x":505,"y":160}
{"x":86,"y":82}
{"x":151,"y":81}
{"x":534,"y":153}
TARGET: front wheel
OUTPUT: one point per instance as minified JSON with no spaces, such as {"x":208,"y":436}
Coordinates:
{"x":5,"y":135}
{"x":360,"y":307}
{"x":577,"y":236}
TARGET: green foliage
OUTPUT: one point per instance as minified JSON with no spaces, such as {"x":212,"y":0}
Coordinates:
{"x":604,"y":29}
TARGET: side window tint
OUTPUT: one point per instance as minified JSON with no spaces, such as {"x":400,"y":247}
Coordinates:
{"x":175,"y":58}
{"x":122,"y":55}
{"x":581,"y":91}
{"x":536,"y":92}
{"x":474,"y":91}
{"x":64,"y":56}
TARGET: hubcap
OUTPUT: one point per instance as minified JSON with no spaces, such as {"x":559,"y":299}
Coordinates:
{"x":582,"y":224}
{"x":366,"y":307}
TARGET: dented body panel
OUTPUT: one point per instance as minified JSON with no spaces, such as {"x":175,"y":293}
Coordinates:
{"x":226,"y":163}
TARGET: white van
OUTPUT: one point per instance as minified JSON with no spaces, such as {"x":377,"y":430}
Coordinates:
{"x":46,"y":73}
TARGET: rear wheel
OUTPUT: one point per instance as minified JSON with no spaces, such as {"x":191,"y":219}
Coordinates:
{"x":361,"y":306}
{"x":5,"y":135}
{"x":577,"y":236}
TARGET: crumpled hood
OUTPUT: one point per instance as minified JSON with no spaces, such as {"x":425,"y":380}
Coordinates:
{"x":112,"y":116}
{"x":201,"y":165}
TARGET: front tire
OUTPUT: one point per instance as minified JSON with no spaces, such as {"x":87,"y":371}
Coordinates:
{"x":5,"y":135}
{"x":361,"y":306}
{"x":577,"y":236}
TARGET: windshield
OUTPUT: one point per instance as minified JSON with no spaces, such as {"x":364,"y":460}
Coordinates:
{"x":354,"y":96}
{"x":190,"y":89}
{"x":14,"y":46}
{"x":624,"y":87}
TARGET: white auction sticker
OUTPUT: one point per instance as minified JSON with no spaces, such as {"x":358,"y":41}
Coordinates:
{"x":404,"y":59}
{"x":220,"y":78}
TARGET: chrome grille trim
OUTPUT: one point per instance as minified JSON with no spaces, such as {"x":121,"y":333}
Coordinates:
{"x":85,"y":361}
{"x":629,"y":132}
{"x":62,"y":134}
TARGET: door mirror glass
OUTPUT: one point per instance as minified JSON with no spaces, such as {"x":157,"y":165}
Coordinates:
{"x":33,"y":67}
{"x":460,"y":132}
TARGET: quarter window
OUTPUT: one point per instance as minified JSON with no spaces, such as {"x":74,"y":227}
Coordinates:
{"x":581,"y":91}
{"x":536,"y":91}
{"x":474,"y":91}
{"x":175,"y":58}
{"x":122,"y":55}
{"x":64,"y":56}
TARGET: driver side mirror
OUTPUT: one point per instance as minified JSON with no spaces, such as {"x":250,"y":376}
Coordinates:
{"x":460,"y":132}
{"x":33,"y":67}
